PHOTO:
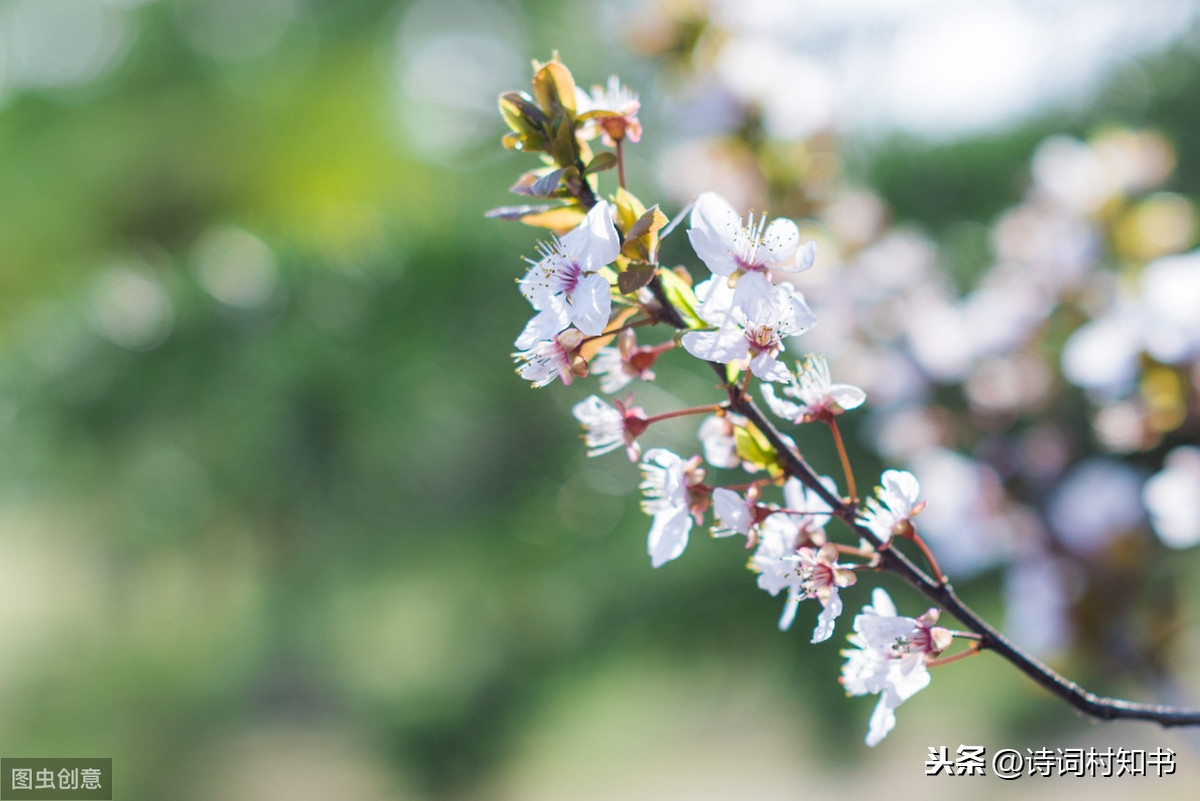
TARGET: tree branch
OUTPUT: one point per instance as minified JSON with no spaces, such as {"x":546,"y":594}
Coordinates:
{"x":944,"y":596}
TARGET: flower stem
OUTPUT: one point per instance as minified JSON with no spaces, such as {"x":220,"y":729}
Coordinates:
{"x":938,"y":576}
{"x":946,"y":660}
{"x":621,"y":162}
{"x":715,"y":407}
{"x":849,"y":550}
{"x":841,"y":448}
{"x":635,"y":324}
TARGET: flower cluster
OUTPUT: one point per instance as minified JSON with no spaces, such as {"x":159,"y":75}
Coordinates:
{"x":889,"y":658}
{"x":598,"y":279}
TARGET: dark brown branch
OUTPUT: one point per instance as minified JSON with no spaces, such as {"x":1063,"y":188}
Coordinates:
{"x":943,"y":594}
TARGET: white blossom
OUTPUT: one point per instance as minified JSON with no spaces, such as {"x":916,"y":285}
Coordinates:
{"x":607,"y":428}
{"x":617,"y":366}
{"x":894,"y":506}
{"x":727,"y":246}
{"x":548,"y":359}
{"x":610,"y":110}
{"x":666,"y":482}
{"x":750,"y":333}
{"x":734,"y":513}
{"x":818,"y":396}
{"x":1172,"y":496}
{"x":889,"y":658}
{"x":565,"y":285}
{"x":816,"y":574}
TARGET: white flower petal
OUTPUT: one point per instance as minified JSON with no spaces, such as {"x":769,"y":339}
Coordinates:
{"x":605,"y":426}
{"x":714,"y":224}
{"x":881,"y":603}
{"x":904,"y":684}
{"x":883,"y":720}
{"x":881,"y":632}
{"x":731,"y":511}
{"x":720,"y":446}
{"x":806,"y":256}
{"x":780,"y":407}
{"x":722,"y":346}
{"x":825,"y":622}
{"x":789,"y":610}
{"x":716,"y":298}
{"x":903,"y":485}
{"x":591,"y":304}
{"x":846,"y":396}
{"x":543,"y":325}
{"x":668,"y":536}
{"x":781,"y":240}
{"x":768,"y":368}
{"x":595,"y":242}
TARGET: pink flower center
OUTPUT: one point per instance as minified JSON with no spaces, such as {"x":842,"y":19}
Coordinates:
{"x":918,"y":641}
{"x":747,"y":243}
{"x":816,"y":577}
{"x":762,"y":339}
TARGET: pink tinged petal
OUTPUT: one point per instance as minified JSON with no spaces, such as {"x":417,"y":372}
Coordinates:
{"x":591,"y":304}
{"x":825,"y":622}
{"x":668,"y":536}
{"x":781,"y":240}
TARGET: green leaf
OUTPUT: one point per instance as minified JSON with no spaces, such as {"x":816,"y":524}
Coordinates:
{"x":680,"y":295}
{"x":602,"y":161}
{"x":554,"y":88}
{"x":564,"y":148}
{"x":754,"y":448}
{"x":629,"y":209}
{"x":520,"y":114}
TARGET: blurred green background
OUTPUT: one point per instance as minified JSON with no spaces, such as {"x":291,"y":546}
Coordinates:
{"x":278,"y":521}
